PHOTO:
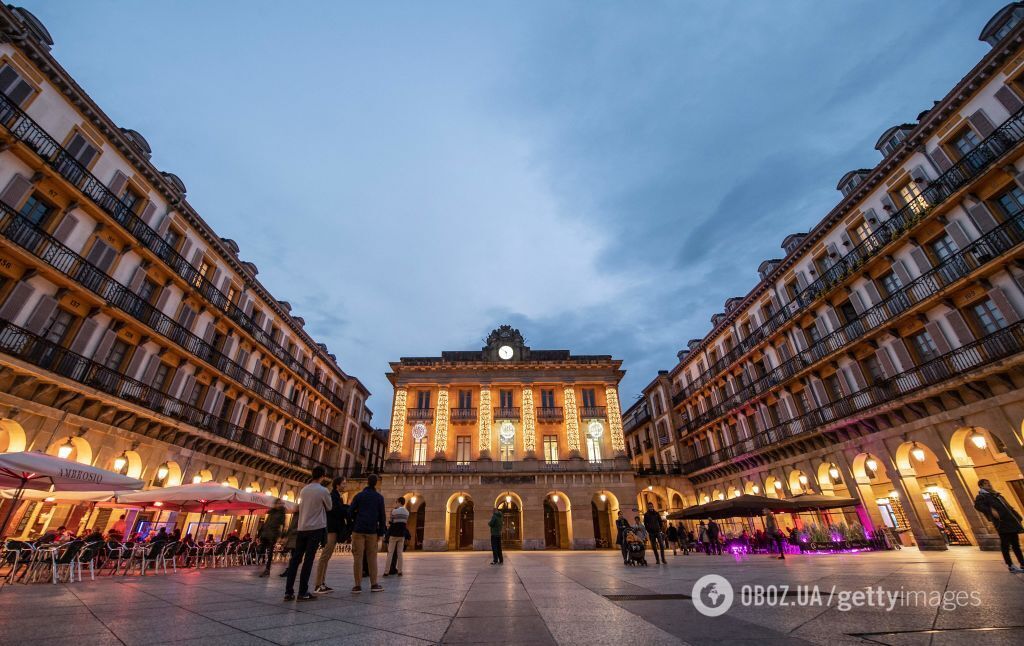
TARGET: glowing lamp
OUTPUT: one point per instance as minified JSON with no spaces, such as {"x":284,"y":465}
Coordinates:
{"x":299,"y":501}
{"x":412,"y":501}
{"x":756,"y":489}
{"x":894,"y":494}
{"x":49,"y":499}
{"x":508,"y":499}
{"x":778,"y":485}
{"x":978,"y":440}
{"x":162,"y":471}
{"x":158,"y":504}
{"x":802,"y":479}
{"x":65,"y":450}
{"x":248,"y":490}
{"x":554,"y":498}
{"x":461,"y":499}
{"x":197,"y":479}
{"x":225,"y":484}
{"x":120,"y":462}
{"x":603,"y":497}
{"x":721,"y":496}
{"x":833,"y":471}
{"x":917,"y":452}
{"x":650,"y":487}
{"x":872,"y":464}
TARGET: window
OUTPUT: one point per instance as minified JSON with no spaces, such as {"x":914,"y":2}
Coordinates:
{"x":15,"y":87}
{"x":131,"y":199}
{"x":910,"y":195}
{"x":988,"y":316}
{"x":792,"y":289}
{"x":465,"y":399}
{"x":832,"y":387}
{"x":505,"y":398}
{"x":116,"y":356}
{"x":588,"y":398}
{"x":232,"y":295}
{"x":965,"y":141}
{"x":860,"y":232}
{"x":196,"y":396}
{"x":551,"y":449}
{"x":812,"y":334}
{"x":1011,"y":202}
{"x":225,"y":407}
{"x":161,"y":377}
{"x":250,"y":419}
{"x":506,"y":452}
{"x":924,"y":346}
{"x":80,"y":148}
{"x":942,"y":247}
{"x":846,"y":312}
{"x":36,"y":211}
{"x":890,"y":283}
{"x":419,"y":451}
{"x":146,"y":290}
{"x":872,"y":369}
{"x":547,"y":398}
{"x":204,"y":268}
{"x":172,"y":238}
{"x":60,"y":325}
{"x":593,"y":449}
{"x":891,"y":143}
{"x":463,"y":449}
{"x":423,"y":399}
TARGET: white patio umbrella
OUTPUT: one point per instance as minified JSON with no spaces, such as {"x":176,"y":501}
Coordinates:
{"x":201,"y":497}
{"x":39,"y":471}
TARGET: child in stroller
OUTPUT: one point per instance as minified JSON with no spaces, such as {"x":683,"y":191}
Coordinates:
{"x":635,"y":549}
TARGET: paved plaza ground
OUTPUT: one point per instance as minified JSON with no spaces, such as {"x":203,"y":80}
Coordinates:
{"x":535,"y":598}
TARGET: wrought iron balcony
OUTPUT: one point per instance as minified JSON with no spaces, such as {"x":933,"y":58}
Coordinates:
{"x":515,"y":466}
{"x":420,"y":415}
{"x":22,"y":344}
{"x":463,"y":415}
{"x":976,"y":162}
{"x":592,"y":412}
{"x":639,"y":415}
{"x":506,"y":412}
{"x":51,"y":251}
{"x":977,"y":354}
{"x":549,"y":414}
{"x":26,"y":130}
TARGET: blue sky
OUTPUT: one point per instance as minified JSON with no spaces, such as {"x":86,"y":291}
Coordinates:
{"x":602,"y":175}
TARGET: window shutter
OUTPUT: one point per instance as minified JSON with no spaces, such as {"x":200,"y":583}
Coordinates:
{"x":147,"y":376}
{"x":1006,"y":308}
{"x":981,"y":123}
{"x":212,"y":275}
{"x":186,"y":244}
{"x":65,"y":228}
{"x":187,"y":387}
{"x":939,"y":158}
{"x":901,"y":271}
{"x":211,"y":399}
{"x":138,"y":356}
{"x":247,"y":309}
{"x":137,"y":278}
{"x":165,"y":223}
{"x":921,"y":260}
{"x":957,"y":233}
{"x":843,"y":381}
{"x":98,"y":255}
{"x":871,"y":290}
{"x":208,"y":334}
{"x":819,"y":391}
{"x":1009,"y":99}
{"x":105,"y":344}
{"x":960,"y":329}
{"x":16,"y":301}
{"x":899,"y":348}
{"x":888,"y":368}
{"x":41,"y":315}
{"x":84,"y":336}
{"x":162,"y":299}
{"x":935,"y":330}
{"x":833,"y":319}
{"x":197,"y":258}
{"x":799,"y":339}
{"x":801,"y":281}
{"x":887,"y":201}
{"x":982,"y":217}
{"x":16,"y":191}
{"x":173,"y":389}
{"x":148,"y":212}
{"x":857,"y":302}
{"x":860,"y":383}
{"x":229,"y":345}
{"x":117,"y":184}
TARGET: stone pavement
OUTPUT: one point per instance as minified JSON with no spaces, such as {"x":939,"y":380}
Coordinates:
{"x":535,"y":598}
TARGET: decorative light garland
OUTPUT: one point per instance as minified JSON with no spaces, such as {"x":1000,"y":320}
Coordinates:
{"x":611,"y":398}
{"x":485,"y":420}
{"x":398,"y":420}
{"x":572,"y":422}
{"x":441,"y":422}
{"x":529,"y":421}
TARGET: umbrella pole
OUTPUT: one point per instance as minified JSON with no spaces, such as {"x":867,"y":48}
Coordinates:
{"x":14,"y":504}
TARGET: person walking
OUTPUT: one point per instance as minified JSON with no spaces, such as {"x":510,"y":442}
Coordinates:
{"x":397,"y":532}
{"x":312,"y":525}
{"x":273,"y":527}
{"x":714,"y":532}
{"x":1006,"y":520}
{"x":495,"y":523}
{"x":335,"y":526}
{"x":368,"y":523}
{"x":673,"y":538}
{"x":652,"y":523}
{"x":702,"y":538}
{"x":621,"y":525}
{"x":773,"y":534}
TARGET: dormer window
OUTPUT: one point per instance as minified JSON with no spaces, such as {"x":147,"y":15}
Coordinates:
{"x":1001,"y":24}
{"x":889,"y":147}
{"x":892,"y":138}
{"x":851,"y":180}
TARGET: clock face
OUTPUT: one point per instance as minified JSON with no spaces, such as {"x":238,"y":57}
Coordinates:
{"x":505,"y":352}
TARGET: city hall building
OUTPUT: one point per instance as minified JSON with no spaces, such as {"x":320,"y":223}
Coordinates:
{"x":536,"y":433}
{"x":133,"y":337}
{"x":880,"y":357}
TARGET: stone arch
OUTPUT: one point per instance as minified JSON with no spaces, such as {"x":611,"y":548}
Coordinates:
{"x":273,"y":491}
{"x":459,"y":521}
{"x":749,"y":487}
{"x":255,"y":486}
{"x":134,"y":468}
{"x":12,"y":436}
{"x":733,"y":492}
{"x":799,"y":482}
{"x":231,"y":481}
{"x":930,"y":491}
{"x":773,"y":487}
{"x":604,"y":511}
{"x":173,"y":477}
{"x":828,"y":474}
{"x":81,"y":450}
{"x":717,"y":494}
{"x":558,"y":529}
{"x":677,"y":502}
{"x":869,"y":469}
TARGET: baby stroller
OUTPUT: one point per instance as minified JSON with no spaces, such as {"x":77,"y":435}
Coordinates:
{"x":634,"y":550}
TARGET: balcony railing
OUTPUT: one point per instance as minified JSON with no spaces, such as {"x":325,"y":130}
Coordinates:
{"x":506,"y":412}
{"x":973,"y":164}
{"x":982,"y":352}
{"x":22,"y":344}
{"x":421,"y":414}
{"x":639,"y":415}
{"x":515,"y":466}
{"x":966,"y":261}
{"x":463,"y":414}
{"x":48,"y":249}
{"x":25,"y":129}
{"x":549,"y":414}
{"x":592,"y":412}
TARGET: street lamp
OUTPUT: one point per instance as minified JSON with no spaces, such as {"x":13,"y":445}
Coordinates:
{"x":120,"y":462}
{"x":65,"y":450}
{"x":802,"y":479}
{"x":461,"y":499}
{"x":196,"y":479}
{"x":872,"y":465}
{"x":756,"y":489}
{"x":778,"y":485}
{"x":979,"y":440}
{"x":917,"y":452}
{"x":833,"y":471}
{"x":162,"y":471}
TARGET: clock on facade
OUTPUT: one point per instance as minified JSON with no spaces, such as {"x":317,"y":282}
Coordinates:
{"x":505,"y":352}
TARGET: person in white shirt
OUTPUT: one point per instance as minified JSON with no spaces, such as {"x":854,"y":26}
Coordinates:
{"x":397,"y":533}
{"x":315,"y":502}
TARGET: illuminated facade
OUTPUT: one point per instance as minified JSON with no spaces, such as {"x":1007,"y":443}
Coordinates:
{"x":537,"y":432}
{"x":880,"y":357}
{"x":132,"y":336}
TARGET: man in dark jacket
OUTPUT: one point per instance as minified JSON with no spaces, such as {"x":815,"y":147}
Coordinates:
{"x":1006,"y":520}
{"x":335,"y":525}
{"x":652,"y":523}
{"x":621,"y":525}
{"x":368,"y":523}
{"x":495,"y":523}
{"x":714,"y":538}
{"x":271,"y":531}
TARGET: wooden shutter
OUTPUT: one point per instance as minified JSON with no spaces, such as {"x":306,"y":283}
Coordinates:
{"x":105,"y":344}
{"x":208,"y":334}
{"x":117,"y":184}
{"x":901,"y":271}
{"x":921,"y":260}
{"x":857,"y":302}
{"x":148,"y":212}
{"x":1006,"y":308}
{"x":186,"y":244}
{"x":187,"y":387}
{"x":981,"y":123}
{"x":136,"y":363}
{"x":162,"y":299}
{"x":935,"y":330}
{"x":1009,"y":99}
{"x":147,"y":376}
{"x":41,"y":314}
{"x":961,"y":331}
{"x":957,"y":233}
{"x":65,"y":228}
{"x":101,"y":255}
{"x":872,"y":291}
{"x":858,"y":376}
{"x":833,"y":319}
{"x":982,"y":217}
{"x":84,"y":336}
{"x":165,"y":223}
{"x":136,"y":282}
{"x":819,"y":390}
{"x":16,"y":191}
{"x":885,"y":361}
{"x":939,"y":158}
{"x":210,"y":400}
{"x":899,"y":348}
{"x":16,"y":301}
{"x":185,"y":317}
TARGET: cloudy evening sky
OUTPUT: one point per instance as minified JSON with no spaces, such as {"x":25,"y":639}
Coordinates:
{"x":601,"y":175}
